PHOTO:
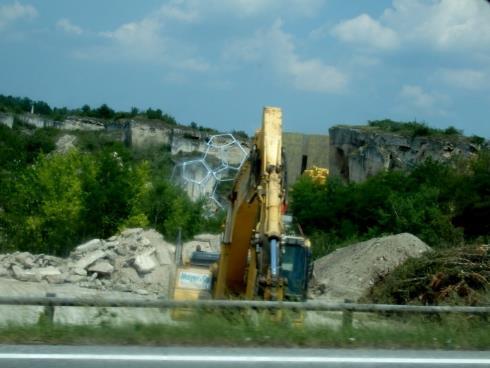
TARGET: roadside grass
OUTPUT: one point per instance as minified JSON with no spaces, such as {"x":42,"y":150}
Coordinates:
{"x":217,"y":329}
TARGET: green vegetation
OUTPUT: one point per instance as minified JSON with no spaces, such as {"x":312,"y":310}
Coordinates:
{"x":50,"y":202}
{"x":441,"y":204}
{"x":445,"y":332}
{"x":412,"y":128}
{"x":20,"y":105}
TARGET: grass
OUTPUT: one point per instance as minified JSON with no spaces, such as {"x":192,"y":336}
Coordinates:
{"x":210,"y":329}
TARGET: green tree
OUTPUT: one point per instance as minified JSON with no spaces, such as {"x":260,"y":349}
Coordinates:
{"x":45,"y":214}
{"x":134,"y":112}
{"x":104,"y":112}
{"x":154,"y":114}
{"x":86,"y":110}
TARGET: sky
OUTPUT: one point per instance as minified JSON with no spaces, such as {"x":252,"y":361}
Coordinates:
{"x":218,"y":62}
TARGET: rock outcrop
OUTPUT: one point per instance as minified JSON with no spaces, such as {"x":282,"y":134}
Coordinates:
{"x":7,"y":120}
{"x":357,"y":153}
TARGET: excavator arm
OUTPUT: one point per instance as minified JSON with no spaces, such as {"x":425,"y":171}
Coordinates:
{"x":250,"y":251}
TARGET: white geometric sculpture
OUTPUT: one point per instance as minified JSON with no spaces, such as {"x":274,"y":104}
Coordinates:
{"x":223,"y":158}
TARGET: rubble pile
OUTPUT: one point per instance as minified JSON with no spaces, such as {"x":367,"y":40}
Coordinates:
{"x":137,"y":260}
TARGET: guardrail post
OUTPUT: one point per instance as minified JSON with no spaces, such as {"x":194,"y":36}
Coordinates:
{"x":347,"y":316}
{"x":49,"y":310}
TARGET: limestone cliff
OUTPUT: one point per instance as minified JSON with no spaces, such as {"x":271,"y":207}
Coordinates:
{"x":358,"y":152}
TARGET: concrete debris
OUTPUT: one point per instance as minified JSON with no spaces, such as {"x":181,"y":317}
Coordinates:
{"x":3,"y":271}
{"x":137,"y":261}
{"x":349,"y":272}
{"x":90,"y":258}
{"x":55,"y":279}
{"x":89,"y":246}
{"x":79,"y":272}
{"x":145,"y":263}
{"x":24,"y":275}
{"x":131,"y":232}
{"x":25,"y":259}
{"x":48,"y":271}
{"x":102,"y":268}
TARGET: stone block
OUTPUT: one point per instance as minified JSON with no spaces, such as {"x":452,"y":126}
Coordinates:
{"x":89,"y":246}
{"x":145,"y":262}
{"x":102,"y":268}
{"x":25,"y":275}
{"x":90,"y":258}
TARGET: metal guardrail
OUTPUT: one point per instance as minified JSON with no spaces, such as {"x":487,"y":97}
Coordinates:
{"x":53,"y":301}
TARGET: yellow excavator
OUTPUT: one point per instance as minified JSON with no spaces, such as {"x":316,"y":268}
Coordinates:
{"x":260,"y":257}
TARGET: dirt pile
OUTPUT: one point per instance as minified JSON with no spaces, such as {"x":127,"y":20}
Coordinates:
{"x":449,"y":276}
{"x":349,"y":272}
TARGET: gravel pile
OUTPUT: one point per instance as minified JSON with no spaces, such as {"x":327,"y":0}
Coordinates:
{"x":349,"y":272}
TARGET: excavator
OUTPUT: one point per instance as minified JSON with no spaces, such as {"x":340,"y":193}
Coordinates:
{"x":261,"y":258}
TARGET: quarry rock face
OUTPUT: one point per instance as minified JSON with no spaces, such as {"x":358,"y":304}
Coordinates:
{"x":357,"y":153}
{"x":7,"y":120}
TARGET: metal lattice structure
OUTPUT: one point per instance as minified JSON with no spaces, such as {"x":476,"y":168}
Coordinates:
{"x":221,"y":161}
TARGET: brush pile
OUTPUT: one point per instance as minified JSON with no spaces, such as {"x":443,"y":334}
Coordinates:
{"x":456,"y":276}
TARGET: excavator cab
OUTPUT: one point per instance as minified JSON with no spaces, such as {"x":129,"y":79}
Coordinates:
{"x":295,"y":266}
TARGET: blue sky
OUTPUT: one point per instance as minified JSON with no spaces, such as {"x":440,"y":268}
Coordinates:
{"x":217,"y":63}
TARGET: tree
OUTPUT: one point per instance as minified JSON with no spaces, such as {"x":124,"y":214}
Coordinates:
{"x":169,"y":119}
{"x":45,"y":214}
{"x":134,"y":112}
{"x":86,"y":110}
{"x":42,"y":108}
{"x":104,"y":112}
{"x":154,"y":114}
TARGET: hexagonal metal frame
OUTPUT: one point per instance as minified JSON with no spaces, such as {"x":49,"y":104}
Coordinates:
{"x":214,"y":172}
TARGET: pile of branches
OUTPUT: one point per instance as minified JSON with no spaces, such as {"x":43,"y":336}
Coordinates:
{"x":451,"y":276}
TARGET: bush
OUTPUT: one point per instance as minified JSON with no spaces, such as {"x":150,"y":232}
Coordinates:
{"x":411,"y":128}
{"x":104,"y":112}
{"x":452,"y":131}
{"x":435,"y":202}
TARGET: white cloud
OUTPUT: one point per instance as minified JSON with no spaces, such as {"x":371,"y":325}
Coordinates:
{"x":145,"y":41}
{"x":445,"y":25}
{"x":10,"y":13}
{"x":141,"y":37}
{"x":365,"y":30}
{"x":67,"y":26}
{"x":417,"y":96}
{"x":471,"y":79}
{"x":153,"y":39}
{"x":275,"y":7}
{"x":179,"y":10}
{"x":417,"y":99}
{"x":276,"y":49}
{"x":193,"y":10}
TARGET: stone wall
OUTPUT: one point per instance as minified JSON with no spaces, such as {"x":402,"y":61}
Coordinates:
{"x":304,"y":151}
{"x":357,"y":153}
